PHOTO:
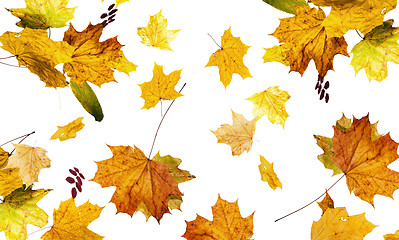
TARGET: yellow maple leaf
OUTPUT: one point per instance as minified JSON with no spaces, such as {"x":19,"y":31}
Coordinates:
{"x":268,"y":175}
{"x":19,"y":209}
{"x":155,"y":33}
{"x":141,"y":184}
{"x":336,"y":224}
{"x":70,"y":222}
{"x":377,"y":48}
{"x":118,"y":2}
{"x":39,"y":54}
{"x":43,"y":14}
{"x":68,"y":131}
{"x":270,"y":102}
{"x":278,"y":53}
{"x":3,"y":158}
{"x":29,"y":160}
{"x":390,"y":236}
{"x":92,"y":60}
{"x":229,"y":58}
{"x":364,"y":161}
{"x":326,"y":203}
{"x":227,"y":224}
{"x":9,"y":181}
{"x":161,"y":87}
{"x":239,"y":135}
{"x":288,"y":6}
{"x":307,"y":39}
{"x":354,"y":14}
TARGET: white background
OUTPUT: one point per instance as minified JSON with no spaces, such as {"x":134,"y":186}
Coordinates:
{"x":26,"y":105}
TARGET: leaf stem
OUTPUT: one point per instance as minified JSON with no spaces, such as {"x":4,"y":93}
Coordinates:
{"x":23,"y":136}
{"x":163,"y":117}
{"x":358,"y":33}
{"x":214,"y":41}
{"x":36,"y":232}
{"x":311,"y":201}
{"x":8,"y":57}
{"x":12,"y":65}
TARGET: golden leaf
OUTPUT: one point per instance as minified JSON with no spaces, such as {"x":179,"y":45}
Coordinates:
{"x":161,"y":87}
{"x":70,"y":222}
{"x":138,"y":181}
{"x":9,"y":181}
{"x":326,"y":203}
{"x":270,"y":102}
{"x":29,"y":160}
{"x":43,"y":14}
{"x":156,"y":34}
{"x":239,"y":135}
{"x":229,"y":58}
{"x":68,"y":131}
{"x":394,"y":236}
{"x":268,"y":175}
{"x":39,"y":54}
{"x":227,"y":224}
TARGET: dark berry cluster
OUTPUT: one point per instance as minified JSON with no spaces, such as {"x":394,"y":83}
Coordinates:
{"x":110,"y":14}
{"x":321,"y":90}
{"x":77,"y":179}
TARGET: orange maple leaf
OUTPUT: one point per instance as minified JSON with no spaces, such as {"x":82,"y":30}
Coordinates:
{"x":227,"y":224}
{"x":138,"y":180}
{"x":229,"y":58}
{"x":306,"y":38}
{"x":364,"y":161}
{"x":70,"y":222}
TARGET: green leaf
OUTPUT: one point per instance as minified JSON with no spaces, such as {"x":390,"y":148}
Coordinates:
{"x":88,"y":99}
{"x":288,"y":6}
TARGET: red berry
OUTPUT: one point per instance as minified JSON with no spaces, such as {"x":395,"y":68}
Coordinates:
{"x":74,"y":193}
{"x":70,"y":180}
{"x":322,"y":94}
{"x":81,"y":175}
{"x":79,"y":180}
{"x":110,"y":21}
{"x":77,"y":170}
{"x":113,"y":11}
{"x":78,"y":186}
{"x":111,"y":6}
{"x":327,"y":98}
{"x":327,"y":85}
{"x":104,"y":15}
{"x":73,"y":172}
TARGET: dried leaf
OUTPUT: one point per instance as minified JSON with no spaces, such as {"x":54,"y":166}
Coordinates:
{"x":326,"y":203}
{"x":268,"y":175}
{"x":9,"y":181}
{"x":68,"y":131}
{"x":288,"y":6}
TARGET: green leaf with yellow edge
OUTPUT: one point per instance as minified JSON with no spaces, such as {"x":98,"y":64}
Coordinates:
{"x":288,"y":6}
{"x":377,"y":48}
{"x":161,"y":87}
{"x":9,"y":181}
{"x":68,"y":131}
{"x":155,"y":33}
{"x":19,"y":209}
{"x":3,"y":158}
{"x":278,"y":53}
{"x":270,"y":102}
{"x":39,"y":54}
{"x":229,"y":58}
{"x":43,"y":14}
{"x":268,"y":175}
{"x":391,"y":236}
{"x":92,"y":60}
{"x":70,"y":222}
{"x":178,"y":174}
{"x":88,"y":99}
{"x":345,"y":15}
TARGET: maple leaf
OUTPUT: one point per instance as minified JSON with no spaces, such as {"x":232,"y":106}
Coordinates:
{"x":358,"y":14}
{"x":227,"y":224}
{"x":270,"y":102}
{"x":390,"y":236}
{"x":3,"y":158}
{"x":29,"y":160}
{"x":43,"y":14}
{"x":364,"y":161}
{"x":288,"y":6}
{"x":336,"y":224}
{"x":326,"y":203}
{"x":88,"y":99}
{"x":122,"y":64}
{"x":137,"y":179}
{"x":68,"y":131}
{"x":278,"y":53}
{"x":229,"y":58}
{"x":9,"y":181}
{"x":377,"y":48}
{"x":19,"y":209}
{"x":268,"y":175}
{"x":239,"y":135}
{"x":39,"y":54}
{"x":118,"y":2}
{"x":70,"y":222}
{"x":308,"y":40}
{"x":92,"y":60}
{"x":161,"y":87}
{"x":155,"y":34}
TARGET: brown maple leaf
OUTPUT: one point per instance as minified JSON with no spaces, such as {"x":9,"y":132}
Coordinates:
{"x":227,"y":224}
{"x":138,"y":180}
{"x":364,"y":161}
